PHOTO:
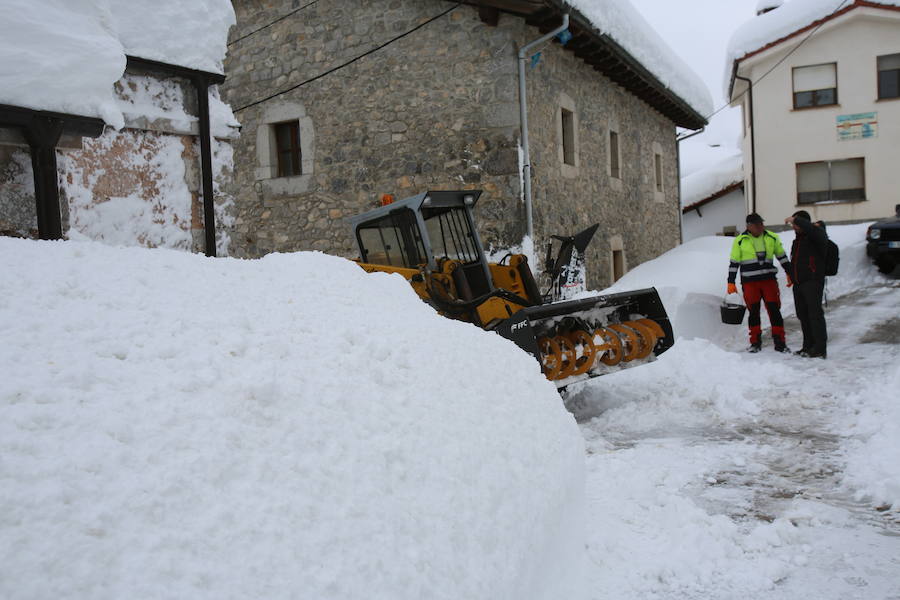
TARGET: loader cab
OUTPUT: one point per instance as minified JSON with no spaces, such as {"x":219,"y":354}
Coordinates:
{"x":423,"y":231}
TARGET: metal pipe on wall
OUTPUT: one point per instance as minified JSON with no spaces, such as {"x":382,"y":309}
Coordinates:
{"x":523,"y":122}
{"x":752,"y":142}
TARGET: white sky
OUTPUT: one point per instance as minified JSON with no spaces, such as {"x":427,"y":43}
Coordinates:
{"x":698,"y":31}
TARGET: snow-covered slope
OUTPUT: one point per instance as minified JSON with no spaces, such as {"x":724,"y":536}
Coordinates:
{"x":173,"y":426}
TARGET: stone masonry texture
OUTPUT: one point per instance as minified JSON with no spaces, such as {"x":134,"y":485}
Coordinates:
{"x":438,"y":109}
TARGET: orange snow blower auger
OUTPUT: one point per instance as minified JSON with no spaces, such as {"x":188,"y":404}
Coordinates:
{"x":431,"y":240}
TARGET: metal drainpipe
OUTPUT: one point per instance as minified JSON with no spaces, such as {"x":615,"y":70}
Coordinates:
{"x":523,"y":122}
{"x":209,"y":215}
{"x":678,"y":141}
{"x":752,"y":142}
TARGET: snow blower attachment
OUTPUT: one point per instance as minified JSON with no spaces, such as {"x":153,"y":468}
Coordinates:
{"x":431,"y":240}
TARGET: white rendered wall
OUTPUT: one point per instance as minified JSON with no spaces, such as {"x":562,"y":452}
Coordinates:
{"x":729,"y":210}
{"x":785,"y":137}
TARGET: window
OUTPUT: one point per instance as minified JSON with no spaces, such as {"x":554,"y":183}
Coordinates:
{"x":614,"y":154}
{"x":287,"y":144}
{"x":618,"y":264}
{"x":568,"y":136}
{"x":831,"y":181}
{"x":815,"y":85}
{"x":889,"y":76}
{"x":657,"y":164}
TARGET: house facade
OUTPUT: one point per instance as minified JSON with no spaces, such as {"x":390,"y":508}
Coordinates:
{"x":340,"y":106}
{"x":823,"y":115}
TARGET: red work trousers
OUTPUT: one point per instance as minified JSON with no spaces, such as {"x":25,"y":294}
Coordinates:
{"x":766,"y":291}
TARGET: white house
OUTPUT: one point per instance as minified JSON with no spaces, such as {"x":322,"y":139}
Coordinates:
{"x":712,"y":200}
{"x":819,"y":90}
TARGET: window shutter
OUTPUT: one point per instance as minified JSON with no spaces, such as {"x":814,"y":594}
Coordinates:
{"x":889,"y":62}
{"x":812,"y":177}
{"x":847,"y":174}
{"x":818,"y":77}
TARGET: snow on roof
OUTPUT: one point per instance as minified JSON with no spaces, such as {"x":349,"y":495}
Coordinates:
{"x":789,"y":18}
{"x":65,"y":56}
{"x":175,"y":426}
{"x":190,"y":34}
{"x":623,"y":23}
{"x":704,"y":183}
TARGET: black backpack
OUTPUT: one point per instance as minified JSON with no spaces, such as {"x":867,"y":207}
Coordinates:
{"x":832,"y":257}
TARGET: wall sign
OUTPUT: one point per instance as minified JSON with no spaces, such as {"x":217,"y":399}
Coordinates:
{"x":858,"y":126}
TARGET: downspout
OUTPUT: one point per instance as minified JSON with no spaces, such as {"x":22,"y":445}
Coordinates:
{"x":752,"y":142}
{"x":209,"y":216}
{"x":678,"y":140}
{"x":523,"y":122}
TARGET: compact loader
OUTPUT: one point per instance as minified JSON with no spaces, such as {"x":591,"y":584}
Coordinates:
{"x":431,"y":240}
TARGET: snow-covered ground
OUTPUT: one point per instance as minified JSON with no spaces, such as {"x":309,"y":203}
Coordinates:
{"x":177,"y":426}
{"x":713,"y":473}
{"x":173,"y":426}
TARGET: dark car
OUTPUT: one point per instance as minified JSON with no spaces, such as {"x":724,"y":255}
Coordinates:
{"x":884,"y":242}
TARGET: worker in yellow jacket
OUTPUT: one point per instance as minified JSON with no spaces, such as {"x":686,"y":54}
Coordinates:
{"x":753,"y":253}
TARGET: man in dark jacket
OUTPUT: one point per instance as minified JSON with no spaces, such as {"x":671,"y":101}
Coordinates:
{"x":808,"y":262}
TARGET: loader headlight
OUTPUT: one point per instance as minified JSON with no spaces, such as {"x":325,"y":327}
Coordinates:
{"x":469,"y":199}
{"x":874,"y":233}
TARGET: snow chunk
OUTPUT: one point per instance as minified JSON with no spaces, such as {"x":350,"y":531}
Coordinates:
{"x":624,"y":24}
{"x":66,"y":56}
{"x":190,"y":34}
{"x":703,"y":184}
{"x":60,"y":56}
{"x":291,"y":427}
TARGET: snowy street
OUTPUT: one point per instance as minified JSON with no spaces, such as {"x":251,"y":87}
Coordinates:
{"x":719,"y":474}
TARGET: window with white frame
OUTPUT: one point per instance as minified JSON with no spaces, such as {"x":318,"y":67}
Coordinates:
{"x":889,"y":76}
{"x":815,"y":85}
{"x":831,"y":181}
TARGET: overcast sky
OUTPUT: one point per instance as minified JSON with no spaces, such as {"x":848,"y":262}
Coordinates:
{"x":698,"y":31}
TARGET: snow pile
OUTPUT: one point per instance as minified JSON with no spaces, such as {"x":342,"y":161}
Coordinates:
{"x":691,"y":280}
{"x":61,"y":56}
{"x":785,"y":20}
{"x":65,"y":56}
{"x":700,"y":185}
{"x":619,"y":20}
{"x":191,"y":34}
{"x":184,"y":427}
{"x":873,"y":467}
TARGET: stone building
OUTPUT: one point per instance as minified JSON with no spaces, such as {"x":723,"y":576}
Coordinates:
{"x":106,"y":137}
{"x":341,"y":102}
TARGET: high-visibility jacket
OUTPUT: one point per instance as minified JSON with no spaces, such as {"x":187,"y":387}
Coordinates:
{"x":753,"y":267}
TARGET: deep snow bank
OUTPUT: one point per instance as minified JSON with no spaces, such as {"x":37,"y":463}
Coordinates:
{"x":182,"y":427}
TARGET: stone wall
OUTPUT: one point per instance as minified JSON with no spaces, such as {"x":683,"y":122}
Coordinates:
{"x":437,"y":109}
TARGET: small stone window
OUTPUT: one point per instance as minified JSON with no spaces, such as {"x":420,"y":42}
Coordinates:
{"x":568,"y":136}
{"x":657,"y":168}
{"x":614,"y":170}
{"x":287,"y":143}
{"x":285,"y":148}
